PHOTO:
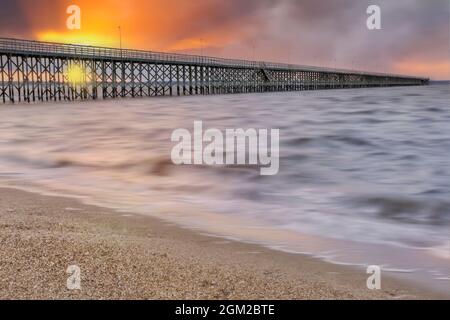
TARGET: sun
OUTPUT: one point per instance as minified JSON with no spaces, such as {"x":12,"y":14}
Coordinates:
{"x":76,"y":75}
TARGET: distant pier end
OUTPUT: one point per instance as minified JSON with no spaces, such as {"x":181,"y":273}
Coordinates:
{"x":41,"y":71}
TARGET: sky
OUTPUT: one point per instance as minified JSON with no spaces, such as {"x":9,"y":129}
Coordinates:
{"x":414,"y":38}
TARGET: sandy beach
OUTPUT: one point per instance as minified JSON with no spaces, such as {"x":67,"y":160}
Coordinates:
{"x":128,"y":256}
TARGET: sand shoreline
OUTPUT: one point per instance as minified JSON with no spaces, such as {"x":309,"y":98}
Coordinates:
{"x":129,"y":256}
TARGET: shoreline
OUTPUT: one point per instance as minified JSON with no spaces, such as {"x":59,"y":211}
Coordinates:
{"x":131,"y":256}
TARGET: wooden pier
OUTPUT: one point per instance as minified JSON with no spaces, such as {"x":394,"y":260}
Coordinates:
{"x":39,"y":71}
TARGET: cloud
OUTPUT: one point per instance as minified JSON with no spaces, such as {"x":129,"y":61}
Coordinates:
{"x":13,"y":20}
{"x":334,"y":33}
{"x":320,"y":32}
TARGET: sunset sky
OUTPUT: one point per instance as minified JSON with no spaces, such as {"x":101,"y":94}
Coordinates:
{"x":414,"y":38}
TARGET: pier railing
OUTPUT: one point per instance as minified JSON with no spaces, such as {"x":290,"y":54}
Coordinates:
{"x":18,"y":46}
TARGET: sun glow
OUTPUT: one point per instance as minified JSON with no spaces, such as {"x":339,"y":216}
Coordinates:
{"x":76,"y":75}
{"x":78,"y":38}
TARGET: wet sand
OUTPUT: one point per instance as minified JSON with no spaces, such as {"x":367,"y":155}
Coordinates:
{"x":128,"y":256}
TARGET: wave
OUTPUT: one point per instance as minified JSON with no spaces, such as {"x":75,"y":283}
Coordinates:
{"x":346,"y":139}
{"x":408,"y":210}
{"x":158,"y":166}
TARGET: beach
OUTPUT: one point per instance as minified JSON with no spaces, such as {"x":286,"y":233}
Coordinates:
{"x":129,"y":256}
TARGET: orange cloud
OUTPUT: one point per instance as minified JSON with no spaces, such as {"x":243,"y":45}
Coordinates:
{"x":146,"y":24}
{"x":439,"y":69}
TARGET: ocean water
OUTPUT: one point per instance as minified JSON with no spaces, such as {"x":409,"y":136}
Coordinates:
{"x":364,"y":173}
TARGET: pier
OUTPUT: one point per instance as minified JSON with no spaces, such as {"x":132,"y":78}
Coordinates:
{"x":32,"y":71}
